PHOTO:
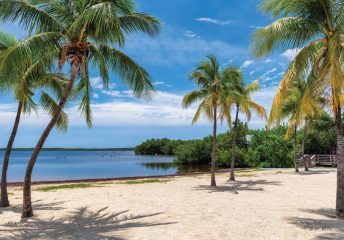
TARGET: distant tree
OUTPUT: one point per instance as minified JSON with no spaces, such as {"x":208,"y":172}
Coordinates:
{"x":321,"y":136}
{"x":194,"y":152}
{"x":162,"y":146}
{"x":268,"y":148}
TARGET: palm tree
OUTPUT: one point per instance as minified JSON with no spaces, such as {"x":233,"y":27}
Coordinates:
{"x":298,"y":104}
{"x":23,"y":83}
{"x":81,"y":33}
{"x":212,"y":94}
{"x":315,"y":27}
{"x":239,"y":96}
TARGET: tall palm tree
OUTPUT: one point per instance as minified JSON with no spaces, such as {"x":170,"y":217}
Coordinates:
{"x":315,"y":27}
{"x":239,"y":96}
{"x":23,"y":83}
{"x":81,"y":33}
{"x":299,"y":104}
{"x":212,"y":94}
{"x":292,"y":109}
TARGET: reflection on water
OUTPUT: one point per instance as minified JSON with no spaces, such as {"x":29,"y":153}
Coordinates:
{"x":180,"y":169}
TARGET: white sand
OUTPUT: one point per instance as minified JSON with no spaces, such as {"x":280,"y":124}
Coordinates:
{"x":267,"y":205}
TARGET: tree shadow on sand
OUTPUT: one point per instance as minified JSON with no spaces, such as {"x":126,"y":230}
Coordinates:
{"x":80,"y":224}
{"x":37,"y":205}
{"x":334,"y":227}
{"x":238,"y":186}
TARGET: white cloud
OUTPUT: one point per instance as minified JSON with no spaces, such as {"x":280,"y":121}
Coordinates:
{"x":290,"y":54}
{"x":169,"y":50}
{"x":165,"y":110}
{"x":213,"y":21}
{"x":267,"y":75}
{"x":190,"y":34}
{"x":256,"y":27}
{"x":246,"y":64}
{"x":252,"y":72}
{"x":263,"y":97}
{"x":96,"y":82}
{"x":112,"y":93}
{"x":266,"y":79}
{"x":268,"y":60}
{"x":271,"y":70}
{"x":158,"y":83}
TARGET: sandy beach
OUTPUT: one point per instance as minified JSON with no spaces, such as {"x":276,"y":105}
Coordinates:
{"x":269,"y":204}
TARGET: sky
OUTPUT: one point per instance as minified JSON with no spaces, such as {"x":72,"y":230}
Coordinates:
{"x":190,"y":31}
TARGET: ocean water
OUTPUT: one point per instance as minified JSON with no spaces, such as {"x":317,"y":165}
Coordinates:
{"x":73,"y":165}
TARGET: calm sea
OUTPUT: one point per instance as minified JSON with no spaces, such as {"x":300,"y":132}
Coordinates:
{"x":71,"y":165}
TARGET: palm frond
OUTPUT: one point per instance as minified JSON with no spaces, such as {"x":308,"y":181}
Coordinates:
{"x":28,"y":15}
{"x":140,"y":22}
{"x":50,"y":105}
{"x":136,"y":77}
{"x":83,"y":94}
{"x":283,"y":34}
{"x":193,"y":97}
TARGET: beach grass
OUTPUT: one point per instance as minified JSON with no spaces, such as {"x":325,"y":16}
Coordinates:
{"x":89,"y":185}
{"x":246,"y":175}
{"x":143,"y":181}
{"x":65,"y":186}
{"x":249,"y":170}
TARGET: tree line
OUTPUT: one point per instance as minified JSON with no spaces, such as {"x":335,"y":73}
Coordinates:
{"x":262,"y":148}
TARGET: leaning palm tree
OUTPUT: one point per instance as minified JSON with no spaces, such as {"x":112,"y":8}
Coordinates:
{"x":239,"y":97}
{"x":315,"y":27}
{"x":83,"y":33}
{"x":212,"y":94}
{"x":23,"y":83}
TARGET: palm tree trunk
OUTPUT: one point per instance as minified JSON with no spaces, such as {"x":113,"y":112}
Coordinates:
{"x":213,"y":155}
{"x":27,"y":207}
{"x":232,"y":176}
{"x":295,"y":149}
{"x":4,"y":195}
{"x":340,"y":166}
{"x":303,"y":146}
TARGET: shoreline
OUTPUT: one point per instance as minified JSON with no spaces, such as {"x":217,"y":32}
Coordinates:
{"x":90,"y":180}
{"x":74,"y":149}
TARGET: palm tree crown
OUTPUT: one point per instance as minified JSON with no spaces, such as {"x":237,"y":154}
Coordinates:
{"x":213,"y":89}
{"x":83,"y":33}
{"x":316,"y":27}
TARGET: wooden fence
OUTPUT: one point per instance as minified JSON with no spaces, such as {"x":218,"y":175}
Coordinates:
{"x":319,"y":160}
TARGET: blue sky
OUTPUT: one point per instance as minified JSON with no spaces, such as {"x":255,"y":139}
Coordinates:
{"x":191,"y":30}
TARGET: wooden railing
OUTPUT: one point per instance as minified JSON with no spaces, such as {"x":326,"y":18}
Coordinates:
{"x":319,"y":160}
